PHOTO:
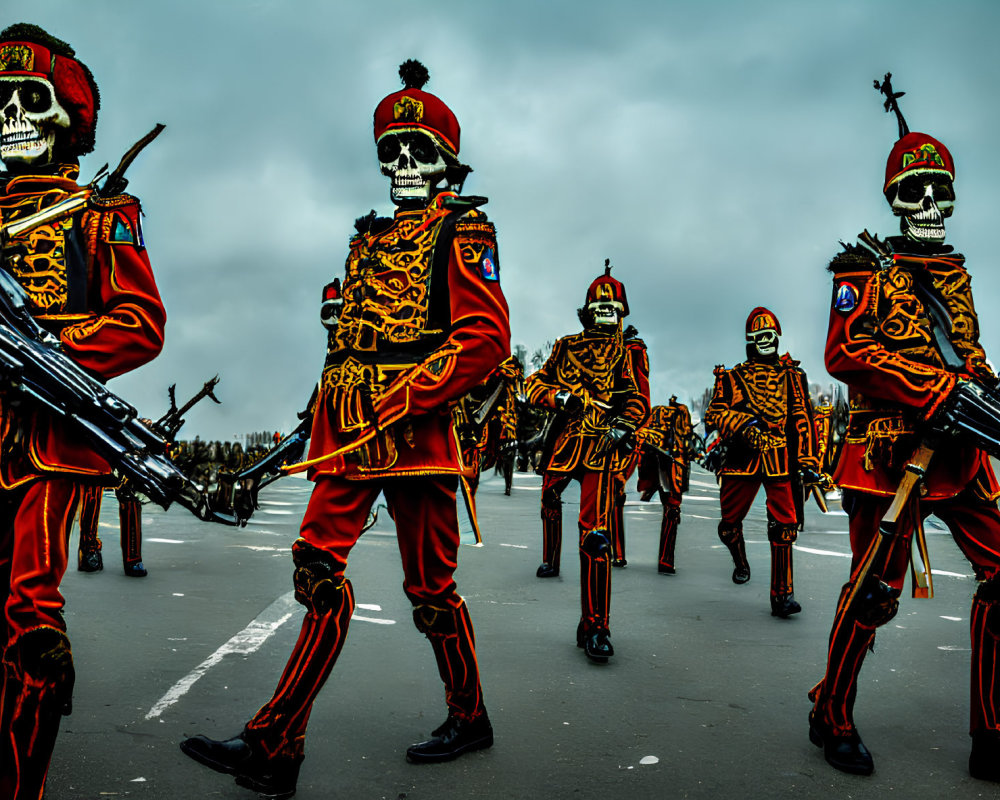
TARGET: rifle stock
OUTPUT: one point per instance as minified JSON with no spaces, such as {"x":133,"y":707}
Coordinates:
{"x":33,"y":367}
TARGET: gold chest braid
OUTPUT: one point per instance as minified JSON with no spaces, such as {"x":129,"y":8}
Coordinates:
{"x":764,"y":390}
{"x":41,"y":256}
{"x":589,"y":364}
{"x":388,"y":289}
{"x":904,"y":324}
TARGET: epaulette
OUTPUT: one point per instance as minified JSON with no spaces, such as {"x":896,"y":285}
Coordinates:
{"x":99,"y":202}
{"x":475,"y":222}
{"x":464,"y":203}
{"x":851,"y":259}
{"x":720,"y":369}
{"x":371,"y":224}
{"x":786,"y":360}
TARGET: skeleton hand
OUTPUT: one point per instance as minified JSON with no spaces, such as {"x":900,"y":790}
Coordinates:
{"x":753,"y":437}
{"x":617,"y":437}
{"x":971,"y":412}
{"x":569,"y":402}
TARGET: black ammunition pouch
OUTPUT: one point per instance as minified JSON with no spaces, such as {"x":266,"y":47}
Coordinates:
{"x":319,"y":585}
{"x":595,"y":543}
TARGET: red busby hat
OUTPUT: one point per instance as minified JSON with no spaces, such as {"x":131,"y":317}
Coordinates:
{"x":914,"y":153}
{"x":917,"y":153}
{"x":761,"y":319}
{"x":607,"y":289}
{"x":414,"y":108}
{"x":29,"y":51}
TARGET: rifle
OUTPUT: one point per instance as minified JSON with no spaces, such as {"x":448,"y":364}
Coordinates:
{"x":114,"y":183}
{"x":33,"y":367}
{"x":268,"y":469}
{"x":170,"y":423}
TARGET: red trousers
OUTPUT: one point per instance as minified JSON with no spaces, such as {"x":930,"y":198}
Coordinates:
{"x":597,"y":507}
{"x":424,"y":511}
{"x":35,"y":522}
{"x":974,"y":523}
{"x":737,"y":493}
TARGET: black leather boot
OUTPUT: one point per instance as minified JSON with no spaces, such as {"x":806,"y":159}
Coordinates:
{"x":846,"y":753}
{"x":547,"y":571}
{"x":595,"y":642}
{"x":272,"y":778}
{"x":784,"y":606}
{"x":984,"y":762}
{"x":89,"y":560}
{"x":453,"y":738}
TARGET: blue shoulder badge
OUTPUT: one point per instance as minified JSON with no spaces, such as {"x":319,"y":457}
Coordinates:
{"x":846,"y":298}
{"x":122,"y":232}
{"x":489,"y":266}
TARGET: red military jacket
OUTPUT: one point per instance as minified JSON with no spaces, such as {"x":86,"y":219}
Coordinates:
{"x":668,"y":428}
{"x":423,"y":321}
{"x":881,"y":344}
{"x":611,"y":376}
{"x":88,"y":280}
{"x":776,"y":397}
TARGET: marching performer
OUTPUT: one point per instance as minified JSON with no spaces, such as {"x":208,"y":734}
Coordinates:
{"x":89,"y":557}
{"x":599,"y":381}
{"x":421,"y":321}
{"x":904,"y":336}
{"x":761,"y":409}
{"x":665,"y":469}
{"x":88,"y":279}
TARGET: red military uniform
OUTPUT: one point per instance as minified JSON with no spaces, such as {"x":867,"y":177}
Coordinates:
{"x":666,"y":471}
{"x":88,"y":280}
{"x":89,"y":557}
{"x":608,"y":378}
{"x":762,"y":412}
{"x":423,"y":321}
{"x":904,"y":336}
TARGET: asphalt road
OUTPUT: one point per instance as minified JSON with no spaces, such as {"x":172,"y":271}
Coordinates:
{"x":706,"y":697}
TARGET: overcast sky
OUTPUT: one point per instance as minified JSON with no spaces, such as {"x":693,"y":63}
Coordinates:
{"x":715,"y":151}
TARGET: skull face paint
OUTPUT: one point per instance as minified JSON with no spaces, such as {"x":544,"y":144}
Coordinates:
{"x":414,"y":161}
{"x":605,"y":312}
{"x":765,"y":342}
{"x":922,"y":202}
{"x":32,"y":120}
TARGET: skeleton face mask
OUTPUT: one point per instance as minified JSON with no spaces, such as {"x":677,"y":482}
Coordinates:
{"x":605,"y":312}
{"x":414,"y":163}
{"x":922,"y":202}
{"x":765,"y":341}
{"x":32,"y":120}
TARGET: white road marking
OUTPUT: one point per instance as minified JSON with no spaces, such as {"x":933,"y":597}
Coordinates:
{"x":245,"y":642}
{"x":369,"y":606}
{"x":518,"y":546}
{"x":820,"y":552}
{"x":649,"y":760}
{"x":952,"y":619}
{"x":166,"y":541}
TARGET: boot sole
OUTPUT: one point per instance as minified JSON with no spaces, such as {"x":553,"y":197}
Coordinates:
{"x":478,"y":744}
{"x":204,"y":760}
{"x":817,"y":739}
